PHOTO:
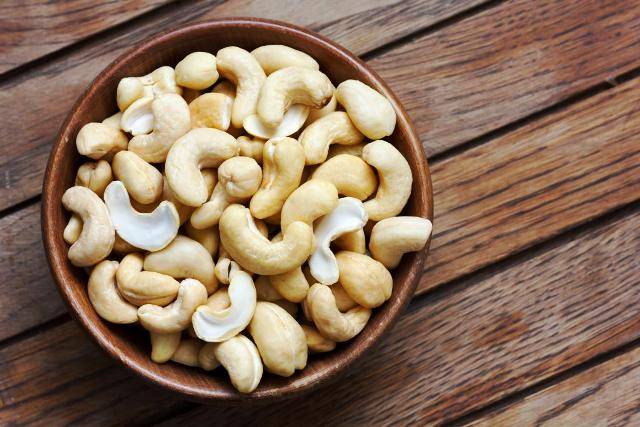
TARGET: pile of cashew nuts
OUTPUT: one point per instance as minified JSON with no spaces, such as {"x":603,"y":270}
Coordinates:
{"x":264,"y":189}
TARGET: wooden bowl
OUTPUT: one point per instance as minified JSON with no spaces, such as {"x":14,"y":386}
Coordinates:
{"x":130,"y":345}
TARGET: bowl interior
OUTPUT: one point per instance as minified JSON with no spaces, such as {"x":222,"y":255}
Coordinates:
{"x":131,"y":344}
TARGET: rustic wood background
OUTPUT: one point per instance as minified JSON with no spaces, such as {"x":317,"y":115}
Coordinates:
{"x":529,"y":307}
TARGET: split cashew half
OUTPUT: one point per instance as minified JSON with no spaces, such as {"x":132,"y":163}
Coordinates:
{"x":364,"y":279}
{"x":393,"y":237}
{"x":292,"y":121}
{"x":144,"y":287}
{"x":334,"y":128}
{"x":351,"y":175}
{"x":197,"y":71}
{"x":369,"y":110}
{"x":95,"y":176}
{"x":98,"y":140}
{"x":143,"y":181}
{"x":105,"y":298}
{"x":274,"y":57}
{"x":211,"y":110}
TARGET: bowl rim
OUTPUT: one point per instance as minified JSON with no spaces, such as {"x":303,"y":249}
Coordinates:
{"x":57,"y":261}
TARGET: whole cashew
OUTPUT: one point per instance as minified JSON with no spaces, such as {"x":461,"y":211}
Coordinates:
{"x":369,"y":110}
{"x":211,"y":110}
{"x":187,"y":352}
{"x":97,"y":141}
{"x":95,"y":176}
{"x":393,"y":237}
{"x":240,"y":176}
{"x":280,"y":340}
{"x":316,"y":342}
{"x":184,"y":258}
{"x":331,"y":323}
{"x":334,"y":128}
{"x":144,"y":287}
{"x":207,"y":237}
{"x":176,"y":316}
{"x":254,"y":252}
{"x":395,"y":180}
{"x":240,"y":357}
{"x":283,"y":162}
{"x":98,"y":234}
{"x":129,"y":90}
{"x":199,"y":148}
{"x":351,"y":175}
{"x":171,"y":121}
{"x":366,"y":280}
{"x":310,"y":201}
{"x":142,"y":181}
{"x":104,"y":296}
{"x":197,"y":71}
{"x":317,"y":113}
{"x":354,"y":241}
{"x":163,"y":346}
{"x":72,"y":230}
{"x":274,"y":57}
{"x":241,"y":68}
{"x":251,"y":147}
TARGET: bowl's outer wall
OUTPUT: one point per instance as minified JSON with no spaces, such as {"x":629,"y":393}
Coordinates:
{"x":130,"y":344}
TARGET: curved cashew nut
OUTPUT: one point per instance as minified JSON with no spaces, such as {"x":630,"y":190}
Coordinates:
{"x":241,"y":68}
{"x":329,"y":320}
{"x":97,"y":141}
{"x":351,"y":175}
{"x":393,"y":237}
{"x":395,"y":180}
{"x":240,"y":176}
{"x":95,"y":176}
{"x":283,"y":163}
{"x":316,"y":342}
{"x":251,"y":147}
{"x":171,"y":120}
{"x":292,"y":285}
{"x":317,"y":113}
{"x":280,"y":339}
{"x":240,"y":357}
{"x":310,"y":201}
{"x":104,"y":296}
{"x":209,"y":213}
{"x":149,"y":231}
{"x":187,"y":352}
{"x":254,"y":252}
{"x":199,"y":148}
{"x":348,"y":216}
{"x":142,"y":181}
{"x":369,"y":110}
{"x":211,"y":110}
{"x":354,"y":241}
{"x":144,"y":287}
{"x":184,"y":258}
{"x":197,"y":71}
{"x":176,"y":316}
{"x":292,"y":85}
{"x":334,"y":128}
{"x":207,"y":237}
{"x":217,"y":326}
{"x":366,"y":280}
{"x":72,"y":230}
{"x":98,"y":234}
{"x":163,"y":346}
{"x":292,"y":121}
{"x":274,"y":57}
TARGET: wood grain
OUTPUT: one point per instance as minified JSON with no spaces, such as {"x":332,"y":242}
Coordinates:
{"x":607,"y":394}
{"x":26,"y":114}
{"x":454,"y":351}
{"x":33,"y":28}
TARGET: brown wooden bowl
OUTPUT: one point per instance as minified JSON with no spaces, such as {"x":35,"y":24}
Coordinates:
{"x":130,"y":345}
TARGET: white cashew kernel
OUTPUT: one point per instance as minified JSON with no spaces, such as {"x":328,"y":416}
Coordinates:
{"x":351,"y":175}
{"x":207,"y":237}
{"x":138,"y":118}
{"x":211,"y":110}
{"x":292,"y":122}
{"x":240,"y":357}
{"x":240,"y":176}
{"x":105,"y":298}
{"x":366,"y":280}
{"x":310,"y":201}
{"x":163,"y":346}
{"x":316,"y":342}
{"x":334,"y":128}
{"x":95,"y":176}
{"x":274,"y":57}
{"x":144,"y":287}
{"x":393,"y":237}
{"x":197,"y":71}
{"x":251,"y":147}
{"x":97,"y":141}
{"x":369,"y":110}
{"x":187,"y":352}
{"x":143,"y":181}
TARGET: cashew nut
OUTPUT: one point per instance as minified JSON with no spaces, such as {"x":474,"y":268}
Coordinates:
{"x":95,"y":176}
{"x":129,"y":90}
{"x":354,"y":241}
{"x":274,"y":57}
{"x":366,"y":280}
{"x":224,"y":269}
{"x":98,"y":234}
{"x":251,"y":147}
{"x":283,"y":162}
{"x":317,"y":113}
{"x":255,"y":253}
{"x":329,"y":320}
{"x":348,"y":216}
{"x":184,"y":258}
{"x":280,"y":339}
{"x":199,"y":148}
{"x":209,"y":213}
{"x":240,"y":176}
{"x":142,"y":181}
{"x":207,"y":237}
{"x":217,"y":326}
{"x":316,"y":342}
{"x":163,"y":346}
{"x":138,"y":118}
{"x":369,"y":110}
{"x":393,"y":237}
{"x":351,"y":175}
{"x":144,"y":287}
{"x":97,"y":141}
{"x":240,"y":357}
{"x":334,"y":128}
{"x":292,"y":285}
{"x":197,"y":71}
{"x":310,"y":201}
{"x":149,"y":231}
{"x":104,"y":295}
{"x":211,"y":110}
{"x":187,"y":352}
{"x":292,"y":121}
{"x":72,"y":230}
{"x":225,"y":87}
{"x":160,"y":81}
{"x":176,"y":316}
{"x":241,"y":68}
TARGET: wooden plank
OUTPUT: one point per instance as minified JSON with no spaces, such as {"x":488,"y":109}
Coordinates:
{"x":33,"y":28}
{"x":606,"y":394}
{"x":34,"y":119}
{"x":454,"y":351}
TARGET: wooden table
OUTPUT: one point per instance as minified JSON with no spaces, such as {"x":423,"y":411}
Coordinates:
{"x":529,"y":308}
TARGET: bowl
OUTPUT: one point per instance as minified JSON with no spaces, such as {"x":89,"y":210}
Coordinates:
{"x":130,"y":345}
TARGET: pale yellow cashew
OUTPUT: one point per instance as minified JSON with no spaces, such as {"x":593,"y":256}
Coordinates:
{"x":129,"y":90}
{"x":354,"y":241}
{"x":219,"y":300}
{"x":331,"y":323}
{"x":395,"y":178}
{"x":197,"y":71}
{"x":97,"y":141}
{"x":280,"y":340}
{"x":310,"y":201}
{"x":366,"y":280}
{"x":187,"y":352}
{"x":104,"y":296}
{"x":240,"y":357}
{"x":251,"y":147}
{"x":351,"y":175}
{"x":143,"y":181}
{"x":95,"y":176}
{"x":98,"y":234}
{"x":369,"y":110}
{"x":283,"y":163}
{"x":243,"y":70}
{"x":72,"y":230}
{"x":334,"y":128}
{"x":274,"y":57}
{"x":199,"y":148}
{"x":211,"y":110}
{"x":343,"y":301}
{"x":163,"y":346}
{"x":207,"y":237}
{"x":316,"y":342}
{"x":144,"y":287}
{"x":393,"y":237}
{"x":176,"y":316}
